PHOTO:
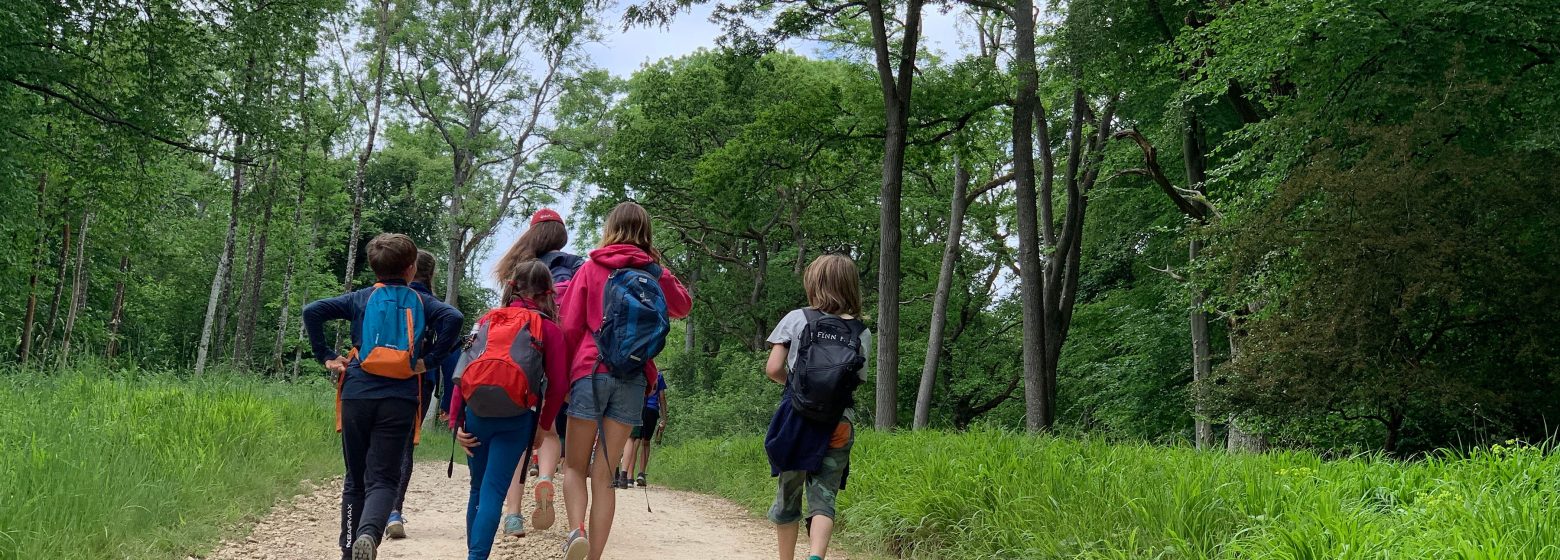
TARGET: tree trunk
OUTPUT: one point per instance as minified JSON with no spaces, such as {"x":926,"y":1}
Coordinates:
{"x":1202,"y":362}
{"x":78,"y":291}
{"x":1028,"y":113}
{"x":464,"y":166}
{"x":756,"y":295}
{"x":1060,"y":289}
{"x":230,"y":305}
{"x":1394,"y":425}
{"x":24,"y":350}
{"x":382,"y":41}
{"x":116,"y":318}
{"x":1194,"y":157}
{"x":934,"y":337}
{"x":219,"y":281}
{"x":896,"y":113}
{"x":254,"y":287}
{"x":297,"y":223}
{"x":59,"y":283}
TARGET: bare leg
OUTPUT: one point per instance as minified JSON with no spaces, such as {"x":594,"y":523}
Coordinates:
{"x":787,"y":534}
{"x":644,"y":455}
{"x":516,"y":495}
{"x":822,"y":530}
{"x":575,"y":461}
{"x":604,"y":504}
{"x":628,"y":457}
{"x":548,"y":455}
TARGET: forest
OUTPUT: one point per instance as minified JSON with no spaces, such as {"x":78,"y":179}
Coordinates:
{"x":1235,"y":224}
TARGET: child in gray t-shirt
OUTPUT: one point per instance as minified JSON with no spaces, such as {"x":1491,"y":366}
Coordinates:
{"x":832,"y":287}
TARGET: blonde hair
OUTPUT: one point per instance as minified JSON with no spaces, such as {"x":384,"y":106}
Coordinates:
{"x":833,"y":285}
{"x":629,"y":224}
{"x":530,"y":279}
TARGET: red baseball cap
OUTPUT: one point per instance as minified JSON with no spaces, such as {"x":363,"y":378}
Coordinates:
{"x":545,"y":215}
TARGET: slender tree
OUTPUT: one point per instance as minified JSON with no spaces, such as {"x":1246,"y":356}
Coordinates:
{"x":382,"y":38}
{"x":896,"y":85}
{"x":78,"y":291}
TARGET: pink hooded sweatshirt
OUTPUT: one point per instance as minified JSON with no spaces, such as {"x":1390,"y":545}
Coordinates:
{"x":581,"y":306}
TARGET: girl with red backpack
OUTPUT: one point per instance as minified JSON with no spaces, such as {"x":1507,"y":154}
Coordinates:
{"x":615,"y":319}
{"x":543,"y":241}
{"x":511,"y":378}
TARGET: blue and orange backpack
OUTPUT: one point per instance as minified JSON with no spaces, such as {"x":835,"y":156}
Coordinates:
{"x":390,"y":328}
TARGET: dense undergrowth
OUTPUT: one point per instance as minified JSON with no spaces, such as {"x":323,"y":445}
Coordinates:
{"x":994,"y":494}
{"x":136,"y":464}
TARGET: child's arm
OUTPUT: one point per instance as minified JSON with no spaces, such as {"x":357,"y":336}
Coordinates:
{"x":555,"y":356}
{"x":775,"y":367}
{"x":678,"y":304}
{"x":445,"y":321}
{"x":573,"y":308}
{"x":316,"y":314}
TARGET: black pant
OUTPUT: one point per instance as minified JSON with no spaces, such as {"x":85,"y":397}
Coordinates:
{"x":374,"y":436}
{"x":406,"y":458}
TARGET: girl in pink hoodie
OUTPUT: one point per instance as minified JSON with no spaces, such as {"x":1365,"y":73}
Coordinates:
{"x":598,"y":397}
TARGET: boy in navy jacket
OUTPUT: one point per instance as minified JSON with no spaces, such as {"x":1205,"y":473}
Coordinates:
{"x":377,"y":415}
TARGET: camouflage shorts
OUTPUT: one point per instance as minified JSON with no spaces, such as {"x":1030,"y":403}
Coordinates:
{"x":821,"y":488}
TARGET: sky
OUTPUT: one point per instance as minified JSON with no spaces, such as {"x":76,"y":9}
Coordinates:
{"x":624,"y":52}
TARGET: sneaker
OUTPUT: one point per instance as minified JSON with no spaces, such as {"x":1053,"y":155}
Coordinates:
{"x":396,"y":528}
{"x":514,"y":525}
{"x":641,"y":481}
{"x":542,"y":518}
{"x":364,"y":548}
{"x":576,"y":547}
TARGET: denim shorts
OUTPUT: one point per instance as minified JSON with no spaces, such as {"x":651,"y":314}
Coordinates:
{"x":621,"y":401}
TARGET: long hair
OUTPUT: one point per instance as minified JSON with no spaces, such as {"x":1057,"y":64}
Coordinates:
{"x":629,"y":224}
{"x":427,"y":266}
{"x":530,"y":279}
{"x":538,"y":240}
{"x":833,"y":285}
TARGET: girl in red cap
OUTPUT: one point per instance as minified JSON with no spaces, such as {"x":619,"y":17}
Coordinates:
{"x":543,"y":241}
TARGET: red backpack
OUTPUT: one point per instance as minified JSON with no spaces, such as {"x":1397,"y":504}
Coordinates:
{"x":507,"y":378}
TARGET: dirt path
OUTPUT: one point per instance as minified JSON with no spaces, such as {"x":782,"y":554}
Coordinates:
{"x":684,"y":525}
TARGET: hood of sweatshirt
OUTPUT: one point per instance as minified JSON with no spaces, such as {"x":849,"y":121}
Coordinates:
{"x":621,"y":256}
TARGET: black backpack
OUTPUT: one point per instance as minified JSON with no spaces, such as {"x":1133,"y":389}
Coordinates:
{"x":829,"y":359}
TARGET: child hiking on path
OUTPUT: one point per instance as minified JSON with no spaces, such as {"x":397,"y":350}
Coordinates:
{"x":638,"y":448}
{"x":512,"y":376}
{"x":395,"y":528}
{"x":615,"y":318}
{"x":543,"y":241}
{"x":820,"y":355}
{"x":377,"y":388}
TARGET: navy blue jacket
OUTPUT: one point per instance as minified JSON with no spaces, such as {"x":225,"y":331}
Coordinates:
{"x":442,"y":332}
{"x":795,"y":443}
{"x":431,"y":377}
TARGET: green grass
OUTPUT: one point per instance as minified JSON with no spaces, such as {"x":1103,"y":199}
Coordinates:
{"x":991,"y":494}
{"x":148,"y":465}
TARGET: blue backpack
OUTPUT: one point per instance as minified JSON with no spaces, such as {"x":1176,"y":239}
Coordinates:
{"x":634,"y":323}
{"x":392,"y":325}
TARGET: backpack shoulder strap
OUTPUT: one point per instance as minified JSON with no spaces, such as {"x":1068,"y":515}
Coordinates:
{"x":812,"y":314}
{"x":857,"y":328}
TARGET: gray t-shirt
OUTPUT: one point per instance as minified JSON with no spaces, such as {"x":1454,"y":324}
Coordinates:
{"x":790,"y":328}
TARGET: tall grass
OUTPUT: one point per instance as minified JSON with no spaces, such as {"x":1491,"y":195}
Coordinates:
{"x":992,"y":494}
{"x":147,"y":465}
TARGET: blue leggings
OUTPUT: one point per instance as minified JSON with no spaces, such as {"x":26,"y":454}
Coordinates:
{"x":492,"y":467}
